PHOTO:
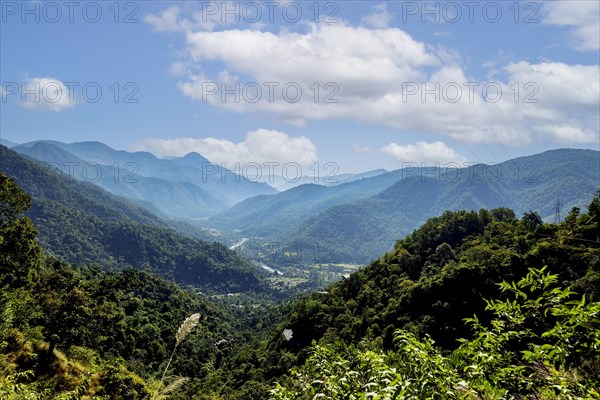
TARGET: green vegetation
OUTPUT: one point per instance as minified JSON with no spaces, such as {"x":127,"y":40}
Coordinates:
{"x":541,"y":344}
{"x":440,"y":274}
{"x":83,"y":224}
{"x":413,"y":324}
{"x":359,"y":221}
{"x":83,"y":332}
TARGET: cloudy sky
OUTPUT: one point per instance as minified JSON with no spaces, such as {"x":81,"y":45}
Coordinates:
{"x":364,"y":85}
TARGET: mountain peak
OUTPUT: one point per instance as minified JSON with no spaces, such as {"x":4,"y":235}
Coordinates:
{"x":191,"y":158}
{"x":194,"y":156}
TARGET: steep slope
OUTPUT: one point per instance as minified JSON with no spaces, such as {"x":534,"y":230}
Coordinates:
{"x":366,"y":228}
{"x":174,"y":199}
{"x":82,"y":223}
{"x":443,"y":271}
{"x":193,"y":168}
{"x":282,"y":213}
{"x":282,"y":183}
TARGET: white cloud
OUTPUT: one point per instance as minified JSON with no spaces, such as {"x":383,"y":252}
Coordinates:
{"x":569,"y":134}
{"x":560,"y":85}
{"x":380,"y":17}
{"x":360,"y":60}
{"x":371,"y":72}
{"x":423,"y":152}
{"x":45,"y":94}
{"x":207,"y":18}
{"x":167,"y":21}
{"x":259,"y":146}
{"x":583,"y":17}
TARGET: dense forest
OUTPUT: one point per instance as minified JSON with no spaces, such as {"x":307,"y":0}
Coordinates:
{"x":83,"y":224}
{"x":361,"y":231}
{"x":470,"y":305}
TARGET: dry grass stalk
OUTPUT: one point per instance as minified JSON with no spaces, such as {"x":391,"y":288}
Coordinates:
{"x":186,"y":328}
{"x":176,"y":384}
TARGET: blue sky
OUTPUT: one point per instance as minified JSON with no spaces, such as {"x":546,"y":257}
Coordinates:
{"x":161,"y":67}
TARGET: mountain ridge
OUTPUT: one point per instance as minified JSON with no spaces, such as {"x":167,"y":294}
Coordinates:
{"x":84,"y":224}
{"x":184,"y":178}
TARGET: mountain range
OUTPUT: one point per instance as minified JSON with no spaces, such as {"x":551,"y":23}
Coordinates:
{"x":84,"y":224}
{"x":359,"y":216}
{"x":364,"y":218}
{"x":185,"y":187}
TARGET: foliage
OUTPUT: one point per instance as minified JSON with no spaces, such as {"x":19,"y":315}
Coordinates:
{"x":390,"y":329}
{"x":440,"y":274}
{"x":506,"y":359}
{"x":18,"y":250}
{"x":82,"y":224}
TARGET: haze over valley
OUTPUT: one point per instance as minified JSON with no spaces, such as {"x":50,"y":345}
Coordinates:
{"x":286,"y":200}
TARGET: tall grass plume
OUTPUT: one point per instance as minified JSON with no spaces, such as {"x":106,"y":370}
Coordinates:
{"x":183,"y":332}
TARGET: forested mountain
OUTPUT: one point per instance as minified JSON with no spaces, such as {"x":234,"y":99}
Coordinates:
{"x":282,"y":213}
{"x":173,"y":199}
{"x":441,"y":274}
{"x":84,"y":224}
{"x":368,"y":227}
{"x":443,"y":271}
{"x":114,"y":326}
{"x":88,"y":333}
{"x":185,"y":187}
{"x":325,"y":178}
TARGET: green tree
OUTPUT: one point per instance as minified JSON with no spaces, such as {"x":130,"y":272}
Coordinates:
{"x":541,"y":344}
{"x":19,"y":252}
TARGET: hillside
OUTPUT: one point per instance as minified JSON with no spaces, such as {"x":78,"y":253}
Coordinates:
{"x":366,"y":228}
{"x":175,"y":199}
{"x":83,"y":332}
{"x":471,"y":304}
{"x":84,"y":224}
{"x":280,"y":214}
{"x":443,"y":271}
{"x":185,"y":187}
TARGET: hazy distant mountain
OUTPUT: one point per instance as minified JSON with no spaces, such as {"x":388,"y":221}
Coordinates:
{"x":284,"y":183}
{"x":345,"y":178}
{"x":185,"y":187}
{"x":282,"y":213}
{"x":366,"y":228}
{"x":7,"y":143}
{"x":83,"y":223}
{"x":173,"y":199}
{"x":364,"y":218}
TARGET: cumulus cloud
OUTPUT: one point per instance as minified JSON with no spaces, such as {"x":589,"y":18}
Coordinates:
{"x":423,"y":152}
{"x":166,"y":21}
{"x":360,"y":60}
{"x":45,"y":94}
{"x":559,"y":84}
{"x":259,"y":146}
{"x":384,"y":76}
{"x":582,"y":17}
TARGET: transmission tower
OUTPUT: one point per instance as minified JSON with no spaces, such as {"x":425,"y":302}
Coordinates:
{"x":557,"y":211}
